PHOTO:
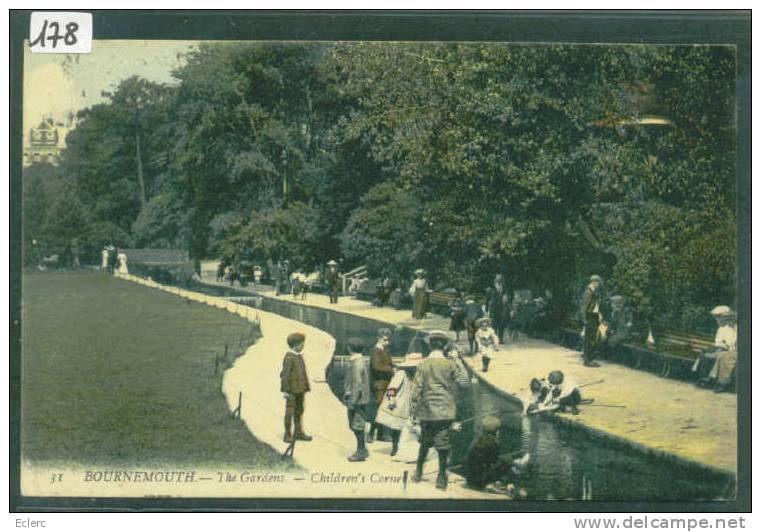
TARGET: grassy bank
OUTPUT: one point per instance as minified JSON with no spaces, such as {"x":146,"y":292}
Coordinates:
{"x":114,"y":373}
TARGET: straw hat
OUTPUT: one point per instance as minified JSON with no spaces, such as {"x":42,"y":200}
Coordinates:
{"x":420,"y":271}
{"x":595,"y":278}
{"x":411,"y":360}
{"x":480,"y":321}
{"x":332,"y":263}
{"x":437,"y":334}
{"x":723,"y":311}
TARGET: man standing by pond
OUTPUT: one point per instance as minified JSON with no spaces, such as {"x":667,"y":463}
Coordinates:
{"x":294,"y":383}
{"x":498,"y":305}
{"x":434,"y":400}
{"x":333,"y":280}
{"x":592,"y":315}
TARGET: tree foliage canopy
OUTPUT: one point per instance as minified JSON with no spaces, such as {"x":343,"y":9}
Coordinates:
{"x":546,"y":162}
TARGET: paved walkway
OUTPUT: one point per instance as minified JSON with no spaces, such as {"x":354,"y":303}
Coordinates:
{"x":662,"y":416}
{"x":328,"y":473}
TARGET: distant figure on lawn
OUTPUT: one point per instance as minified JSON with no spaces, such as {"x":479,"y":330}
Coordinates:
{"x":104,"y":259}
{"x":592,"y":315}
{"x":356,"y":397}
{"x":333,"y":280}
{"x":122,"y":257}
{"x":419,"y":293}
{"x":113,"y":260}
{"x":294,"y":383}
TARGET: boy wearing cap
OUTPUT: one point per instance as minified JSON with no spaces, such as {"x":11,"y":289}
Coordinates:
{"x":487,"y":341}
{"x":357,"y":396}
{"x":382,"y":370}
{"x":294,"y":383}
{"x":434,"y":398}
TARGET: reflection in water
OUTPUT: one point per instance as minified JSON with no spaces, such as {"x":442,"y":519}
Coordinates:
{"x":560,"y":458}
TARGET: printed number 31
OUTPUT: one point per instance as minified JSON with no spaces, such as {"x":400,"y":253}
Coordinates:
{"x":69,"y":38}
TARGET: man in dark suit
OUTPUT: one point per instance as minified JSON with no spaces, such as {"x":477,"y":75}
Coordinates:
{"x":498,"y":304}
{"x":294,"y":383}
{"x":591,"y":313}
{"x":382,"y":370}
{"x":333,"y":280}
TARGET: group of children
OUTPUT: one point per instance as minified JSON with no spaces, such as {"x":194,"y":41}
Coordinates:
{"x":554,"y":393}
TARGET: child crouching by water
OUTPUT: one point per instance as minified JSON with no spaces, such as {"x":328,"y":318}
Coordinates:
{"x":357,"y":396}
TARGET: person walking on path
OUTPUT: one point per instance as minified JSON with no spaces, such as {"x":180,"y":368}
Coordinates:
{"x":457,"y":315}
{"x":592,"y":315}
{"x":434,"y":398}
{"x":294,"y":383}
{"x":333,"y":280}
{"x":356,"y":397}
{"x":382,"y":370}
{"x":473,"y":313}
{"x":419,"y":294}
{"x":487,"y":341}
{"x":498,"y":305}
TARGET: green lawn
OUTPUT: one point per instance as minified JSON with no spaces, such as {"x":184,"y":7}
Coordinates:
{"x":114,"y":373}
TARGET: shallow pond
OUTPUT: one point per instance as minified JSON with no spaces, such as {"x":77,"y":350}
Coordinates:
{"x":562,"y":459}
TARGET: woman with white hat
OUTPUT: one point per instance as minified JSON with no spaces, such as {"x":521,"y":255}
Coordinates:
{"x":722,"y":359}
{"x":419,"y":294}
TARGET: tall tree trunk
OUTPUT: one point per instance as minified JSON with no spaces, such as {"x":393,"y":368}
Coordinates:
{"x":140,"y":179}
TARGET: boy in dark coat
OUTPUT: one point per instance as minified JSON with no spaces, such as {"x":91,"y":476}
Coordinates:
{"x":381,"y":370}
{"x":356,"y":397}
{"x":294,"y":383}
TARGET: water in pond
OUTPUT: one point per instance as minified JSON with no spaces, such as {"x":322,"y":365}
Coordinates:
{"x":562,"y":458}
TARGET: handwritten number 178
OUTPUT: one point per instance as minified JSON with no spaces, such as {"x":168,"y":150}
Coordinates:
{"x":69,"y":38}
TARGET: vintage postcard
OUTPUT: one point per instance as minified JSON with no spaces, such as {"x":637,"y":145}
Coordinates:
{"x":492,"y":271}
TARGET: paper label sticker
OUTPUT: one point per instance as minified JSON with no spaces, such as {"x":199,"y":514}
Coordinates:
{"x":60,"y":32}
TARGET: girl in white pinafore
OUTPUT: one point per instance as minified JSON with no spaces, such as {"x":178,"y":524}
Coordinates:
{"x":394,"y":411}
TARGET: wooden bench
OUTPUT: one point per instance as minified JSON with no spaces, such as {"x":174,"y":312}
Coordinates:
{"x":672,"y":355}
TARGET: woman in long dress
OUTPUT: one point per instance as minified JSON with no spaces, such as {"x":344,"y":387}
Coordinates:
{"x":419,"y":293}
{"x":122,"y":257}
